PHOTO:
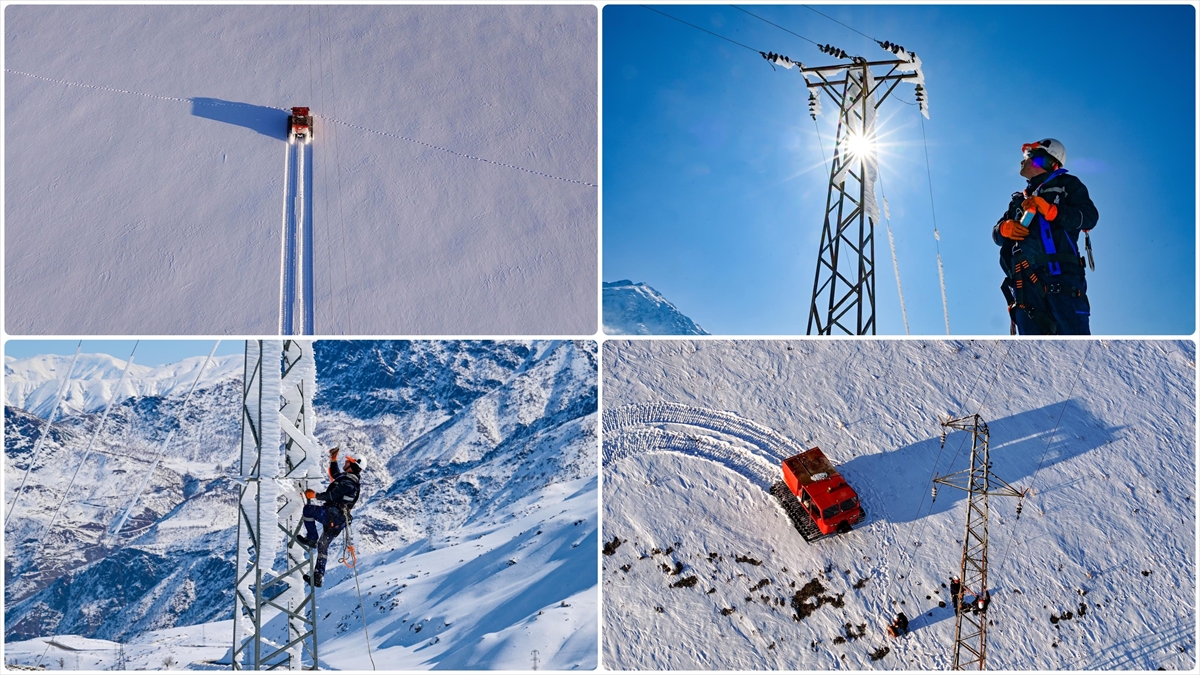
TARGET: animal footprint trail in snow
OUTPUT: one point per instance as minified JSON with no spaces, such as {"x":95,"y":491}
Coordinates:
{"x":334,"y":120}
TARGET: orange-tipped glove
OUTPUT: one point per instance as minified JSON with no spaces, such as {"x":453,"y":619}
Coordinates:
{"x":1011,"y":229}
{"x":333,"y":453}
{"x":1049,"y":211}
{"x":309,"y":494}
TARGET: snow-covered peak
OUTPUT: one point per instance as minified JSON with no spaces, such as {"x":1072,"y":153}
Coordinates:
{"x":638,"y":309}
{"x":33,"y":383}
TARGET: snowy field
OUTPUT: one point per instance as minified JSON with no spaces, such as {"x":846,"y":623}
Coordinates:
{"x":1098,"y":573}
{"x":454,"y":167}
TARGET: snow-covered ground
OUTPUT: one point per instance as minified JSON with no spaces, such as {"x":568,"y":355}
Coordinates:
{"x":454,"y":167}
{"x":638,"y":309}
{"x":487,"y":595}
{"x":1098,"y":573}
{"x":476,"y":534}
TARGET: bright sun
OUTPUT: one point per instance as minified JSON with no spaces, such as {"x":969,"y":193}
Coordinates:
{"x":860,"y":146}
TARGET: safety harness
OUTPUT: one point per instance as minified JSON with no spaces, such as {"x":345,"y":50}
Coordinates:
{"x":1027,"y":261}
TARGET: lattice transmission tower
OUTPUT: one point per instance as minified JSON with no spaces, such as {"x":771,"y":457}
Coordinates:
{"x":843,"y":297}
{"x":970,"y":627}
{"x":275,"y":619}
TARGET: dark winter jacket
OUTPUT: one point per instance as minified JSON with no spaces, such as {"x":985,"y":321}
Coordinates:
{"x":1075,"y":212}
{"x":343,"y":491}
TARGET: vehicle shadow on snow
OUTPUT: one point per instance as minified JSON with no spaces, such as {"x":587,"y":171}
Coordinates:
{"x":890,"y":480}
{"x":266,"y":121}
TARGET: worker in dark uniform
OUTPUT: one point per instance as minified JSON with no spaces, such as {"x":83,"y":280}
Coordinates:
{"x":1044,"y":280}
{"x":982,"y":602}
{"x":333,"y":513}
{"x":899,"y":626}
{"x":955,"y":593}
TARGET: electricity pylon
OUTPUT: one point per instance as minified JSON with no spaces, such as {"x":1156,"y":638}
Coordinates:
{"x":280,"y":455}
{"x":970,"y":628}
{"x":843,"y":297}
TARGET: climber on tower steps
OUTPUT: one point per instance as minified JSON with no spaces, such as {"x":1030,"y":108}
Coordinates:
{"x":333,"y":512}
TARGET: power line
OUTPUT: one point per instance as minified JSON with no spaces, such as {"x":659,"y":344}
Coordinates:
{"x":937,"y":237}
{"x":62,"y":390}
{"x":756,"y":51}
{"x":776,"y":25}
{"x":95,"y":434}
{"x":840,"y":23}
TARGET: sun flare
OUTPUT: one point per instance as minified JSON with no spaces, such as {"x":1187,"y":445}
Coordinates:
{"x":860,"y":146}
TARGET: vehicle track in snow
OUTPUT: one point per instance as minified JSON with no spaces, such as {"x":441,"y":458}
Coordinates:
{"x":637,"y":429}
{"x":296,"y":314}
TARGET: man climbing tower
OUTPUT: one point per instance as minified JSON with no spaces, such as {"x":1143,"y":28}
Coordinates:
{"x":333,"y":513}
{"x":1044,"y":273}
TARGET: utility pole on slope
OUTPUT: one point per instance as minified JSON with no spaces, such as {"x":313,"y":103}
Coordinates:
{"x":970,"y":627}
{"x":279,"y":456}
{"x":843,"y":297}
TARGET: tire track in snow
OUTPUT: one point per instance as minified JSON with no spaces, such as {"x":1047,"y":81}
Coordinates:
{"x":631,"y":430}
{"x":287,"y":255}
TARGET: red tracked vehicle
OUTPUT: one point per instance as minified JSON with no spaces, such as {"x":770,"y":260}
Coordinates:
{"x":815,"y":497}
{"x":300,"y":126}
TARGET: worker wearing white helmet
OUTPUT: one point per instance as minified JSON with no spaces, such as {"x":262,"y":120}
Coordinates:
{"x":1038,"y":237}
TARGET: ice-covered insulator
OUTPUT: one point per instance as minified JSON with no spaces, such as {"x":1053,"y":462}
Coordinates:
{"x":1020,"y":503}
{"x":934,"y":491}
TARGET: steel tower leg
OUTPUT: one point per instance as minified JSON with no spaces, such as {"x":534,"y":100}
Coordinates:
{"x":279,"y":459}
{"x":843,"y":298}
{"x":970,"y":628}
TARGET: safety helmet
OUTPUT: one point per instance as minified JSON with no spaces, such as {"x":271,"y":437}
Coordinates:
{"x":1051,"y":146}
{"x":352,"y":465}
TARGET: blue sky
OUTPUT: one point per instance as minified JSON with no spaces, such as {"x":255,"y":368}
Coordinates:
{"x":714,"y":184}
{"x":149,"y":352}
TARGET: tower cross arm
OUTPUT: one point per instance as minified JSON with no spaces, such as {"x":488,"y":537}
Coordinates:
{"x":995,"y":486}
{"x":859,"y":64}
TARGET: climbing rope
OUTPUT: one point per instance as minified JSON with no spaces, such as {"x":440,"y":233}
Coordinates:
{"x":92,"y":442}
{"x":361,"y":605}
{"x":37,"y":446}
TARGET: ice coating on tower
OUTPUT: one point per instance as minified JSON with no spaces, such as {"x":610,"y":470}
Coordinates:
{"x":864,"y":127}
{"x":913,"y":65}
{"x":259,"y":470}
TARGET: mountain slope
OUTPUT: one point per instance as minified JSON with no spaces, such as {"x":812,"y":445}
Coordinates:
{"x":32,"y":384}
{"x":1100,"y":432}
{"x":638,"y":309}
{"x":430,"y":478}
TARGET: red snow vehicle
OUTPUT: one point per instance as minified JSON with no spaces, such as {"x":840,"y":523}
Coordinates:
{"x":300,"y":125}
{"x":816,"y":497}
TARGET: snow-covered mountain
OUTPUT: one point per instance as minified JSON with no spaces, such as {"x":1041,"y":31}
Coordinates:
{"x":476,"y":453}
{"x":32,"y":384}
{"x":703,"y":570}
{"x":638,"y":309}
